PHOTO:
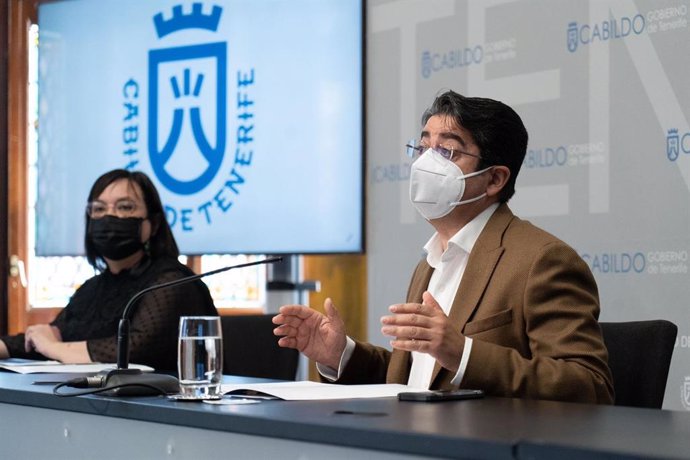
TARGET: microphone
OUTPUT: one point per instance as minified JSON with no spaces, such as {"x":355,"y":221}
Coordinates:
{"x":133,"y":381}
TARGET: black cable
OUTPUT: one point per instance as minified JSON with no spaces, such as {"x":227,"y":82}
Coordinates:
{"x":83,"y":383}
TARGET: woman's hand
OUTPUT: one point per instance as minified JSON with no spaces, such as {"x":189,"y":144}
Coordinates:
{"x":4,"y":352}
{"x":41,"y":337}
{"x":47,"y":340}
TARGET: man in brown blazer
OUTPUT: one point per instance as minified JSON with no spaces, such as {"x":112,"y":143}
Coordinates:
{"x":497,"y":305}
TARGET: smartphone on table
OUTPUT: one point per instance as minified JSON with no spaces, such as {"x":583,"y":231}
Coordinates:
{"x":440,"y":395}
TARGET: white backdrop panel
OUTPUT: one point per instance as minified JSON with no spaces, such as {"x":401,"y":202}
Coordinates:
{"x":602,"y":88}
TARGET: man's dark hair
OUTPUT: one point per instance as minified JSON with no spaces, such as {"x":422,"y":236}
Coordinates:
{"x":496,"y":129}
{"x":161,"y":244}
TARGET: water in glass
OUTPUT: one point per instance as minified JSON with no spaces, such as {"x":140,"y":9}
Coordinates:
{"x":200,"y":358}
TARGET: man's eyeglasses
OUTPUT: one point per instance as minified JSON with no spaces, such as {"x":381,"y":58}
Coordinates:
{"x":414,"y":149}
{"x":122,"y":208}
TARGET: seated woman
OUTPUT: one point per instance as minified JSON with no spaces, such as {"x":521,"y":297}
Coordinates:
{"x":129,"y":241}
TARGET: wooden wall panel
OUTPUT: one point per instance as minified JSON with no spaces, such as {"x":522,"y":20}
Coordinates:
{"x":4,"y":257}
{"x":19,"y":14}
{"x":344,"y":279}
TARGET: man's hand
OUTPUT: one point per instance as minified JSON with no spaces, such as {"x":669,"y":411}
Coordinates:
{"x":320,"y":337}
{"x":425,"y":328}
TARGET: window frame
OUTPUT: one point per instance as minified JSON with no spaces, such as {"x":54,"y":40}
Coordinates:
{"x":19,"y":312}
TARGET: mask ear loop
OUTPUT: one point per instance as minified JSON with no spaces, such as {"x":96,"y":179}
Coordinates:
{"x":471,"y":200}
{"x":476,"y":173}
{"x":476,"y":198}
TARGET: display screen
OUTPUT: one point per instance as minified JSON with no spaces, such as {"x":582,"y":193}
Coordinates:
{"x":246,"y":114}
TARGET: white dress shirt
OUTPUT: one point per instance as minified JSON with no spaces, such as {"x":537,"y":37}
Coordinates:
{"x":449,"y":267}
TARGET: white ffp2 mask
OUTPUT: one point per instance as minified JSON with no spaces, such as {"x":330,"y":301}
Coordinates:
{"x":437,"y":185}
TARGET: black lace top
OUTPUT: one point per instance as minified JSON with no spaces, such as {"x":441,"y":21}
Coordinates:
{"x":95,"y":309}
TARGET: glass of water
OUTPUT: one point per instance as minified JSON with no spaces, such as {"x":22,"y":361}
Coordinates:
{"x":200,"y":357}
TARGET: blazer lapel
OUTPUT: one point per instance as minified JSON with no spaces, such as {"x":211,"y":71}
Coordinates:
{"x":420,"y":282}
{"x":483,"y":259}
{"x":400,"y":361}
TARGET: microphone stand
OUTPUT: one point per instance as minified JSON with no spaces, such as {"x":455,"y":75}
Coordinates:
{"x":140,"y":383}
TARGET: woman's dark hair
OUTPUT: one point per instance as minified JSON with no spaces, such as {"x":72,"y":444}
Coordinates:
{"x":161,"y":244}
{"x":496,"y":129}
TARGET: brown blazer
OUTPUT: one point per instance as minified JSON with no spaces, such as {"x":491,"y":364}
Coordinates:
{"x":531,"y":306}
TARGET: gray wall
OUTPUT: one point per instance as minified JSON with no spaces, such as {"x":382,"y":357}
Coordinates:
{"x":599,"y":85}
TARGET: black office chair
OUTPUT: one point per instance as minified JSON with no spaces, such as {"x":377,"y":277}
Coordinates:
{"x":251,"y":349}
{"x":639,"y":357}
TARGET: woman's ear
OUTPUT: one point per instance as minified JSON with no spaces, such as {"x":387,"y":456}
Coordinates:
{"x":499,"y":178}
{"x":155,"y":223}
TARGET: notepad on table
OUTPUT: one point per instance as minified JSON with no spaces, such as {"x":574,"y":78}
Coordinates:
{"x":309,"y":391}
{"x":31,"y":366}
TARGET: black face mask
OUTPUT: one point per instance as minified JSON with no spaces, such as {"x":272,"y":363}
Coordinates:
{"x":116,"y":238}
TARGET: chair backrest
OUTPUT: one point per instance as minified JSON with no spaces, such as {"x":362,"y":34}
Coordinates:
{"x":639,"y":358}
{"x":251,"y":349}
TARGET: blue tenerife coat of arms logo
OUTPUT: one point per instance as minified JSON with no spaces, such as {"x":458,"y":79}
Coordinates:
{"x":188,"y":117}
{"x":572,"y":37}
{"x":672,"y":144}
{"x":186,"y":80}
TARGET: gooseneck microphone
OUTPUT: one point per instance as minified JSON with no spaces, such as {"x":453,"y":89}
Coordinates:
{"x":134,"y":380}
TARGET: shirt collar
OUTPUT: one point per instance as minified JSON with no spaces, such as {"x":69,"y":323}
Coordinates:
{"x":463,"y":240}
{"x":135,"y":271}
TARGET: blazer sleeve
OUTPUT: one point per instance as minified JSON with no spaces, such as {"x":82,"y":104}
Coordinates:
{"x":370,"y":364}
{"x":565,"y":357}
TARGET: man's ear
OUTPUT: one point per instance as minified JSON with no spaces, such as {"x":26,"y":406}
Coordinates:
{"x":499,"y":179}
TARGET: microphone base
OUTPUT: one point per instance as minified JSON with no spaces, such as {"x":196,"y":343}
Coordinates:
{"x":139,"y":383}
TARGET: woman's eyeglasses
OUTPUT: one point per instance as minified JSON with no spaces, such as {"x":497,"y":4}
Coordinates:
{"x":121,"y":208}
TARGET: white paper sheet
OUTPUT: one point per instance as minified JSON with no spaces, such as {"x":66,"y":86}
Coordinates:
{"x":28,"y":366}
{"x":307,"y":390}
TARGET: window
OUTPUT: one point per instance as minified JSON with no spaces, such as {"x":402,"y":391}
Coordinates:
{"x":53,"y":280}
